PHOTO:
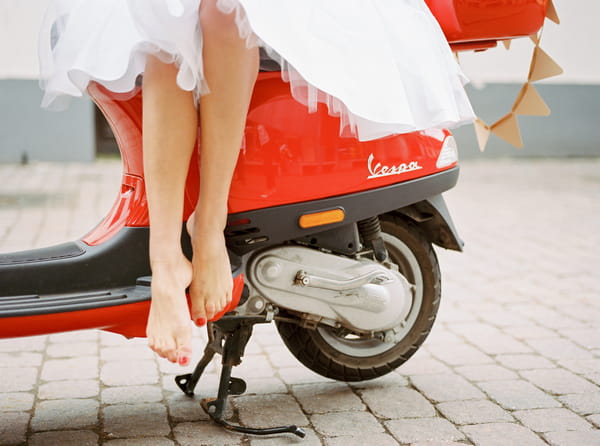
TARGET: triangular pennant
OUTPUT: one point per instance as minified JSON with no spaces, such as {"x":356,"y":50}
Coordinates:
{"x":482,"y":131}
{"x":543,"y":66}
{"x":507,"y":128}
{"x":507,"y":43}
{"x":530,"y":103}
{"x":535,"y":38}
{"x":551,"y":12}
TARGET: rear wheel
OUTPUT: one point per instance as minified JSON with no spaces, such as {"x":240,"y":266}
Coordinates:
{"x":344,"y":356}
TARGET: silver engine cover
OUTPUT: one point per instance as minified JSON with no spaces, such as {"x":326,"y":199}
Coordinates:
{"x":360,"y":294}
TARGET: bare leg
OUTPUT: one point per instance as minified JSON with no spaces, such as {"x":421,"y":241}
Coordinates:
{"x":230,"y":70}
{"x":170,"y":122}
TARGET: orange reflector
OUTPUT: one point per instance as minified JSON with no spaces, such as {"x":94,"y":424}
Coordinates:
{"x":321,"y":218}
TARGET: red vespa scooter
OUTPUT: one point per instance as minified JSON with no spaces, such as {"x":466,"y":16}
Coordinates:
{"x":329,"y":237}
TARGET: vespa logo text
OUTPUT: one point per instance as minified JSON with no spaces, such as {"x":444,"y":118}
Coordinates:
{"x":379,"y":170}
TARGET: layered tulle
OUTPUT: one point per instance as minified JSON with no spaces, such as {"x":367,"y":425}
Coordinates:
{"x":382,"y":66}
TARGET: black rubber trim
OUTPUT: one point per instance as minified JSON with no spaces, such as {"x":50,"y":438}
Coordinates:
{"x":63,"y":251}
{"x":33,"y":305}
{"x":261,"y":230}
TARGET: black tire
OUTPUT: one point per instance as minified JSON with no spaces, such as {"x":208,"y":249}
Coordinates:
{"x":314,"y":348}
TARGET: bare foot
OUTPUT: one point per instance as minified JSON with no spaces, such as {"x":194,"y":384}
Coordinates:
{"x":212,"y":285}
{"x":169,"y":331}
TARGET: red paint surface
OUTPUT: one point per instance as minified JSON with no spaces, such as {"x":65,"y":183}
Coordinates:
{"x":127,"y":320}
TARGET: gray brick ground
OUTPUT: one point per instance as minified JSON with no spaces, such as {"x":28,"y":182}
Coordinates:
{"x":446,"y":387}
{"x":573,"y":438}
{"x":423,"y":429}
{"x":135,"y":420}
{"x":65,"y":414}
{"x":397,"y":403}
{"x":515,"y":349}
{"x":64,"y":438}
{"x":192,"y":434}
{"x":548,"y":420}
{"x":473,"y":412}
{"x":328,"y":397}
{"x":13,"y":427}
{"x":518,"y":395}
{"x":346,"y":424}
{"x":502,"y":434}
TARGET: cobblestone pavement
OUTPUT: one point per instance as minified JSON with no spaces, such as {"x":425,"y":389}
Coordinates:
{"x":513,"y":359}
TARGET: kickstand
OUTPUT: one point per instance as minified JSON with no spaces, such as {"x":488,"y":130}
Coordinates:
{"x":229,"y":337}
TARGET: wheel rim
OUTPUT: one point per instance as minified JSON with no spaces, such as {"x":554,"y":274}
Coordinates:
{"x":400,"y":254}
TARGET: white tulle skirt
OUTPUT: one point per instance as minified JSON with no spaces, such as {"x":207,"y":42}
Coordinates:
{"x":383,"y":66}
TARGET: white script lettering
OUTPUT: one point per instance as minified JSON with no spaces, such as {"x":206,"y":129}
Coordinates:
{"x":379,"y":170}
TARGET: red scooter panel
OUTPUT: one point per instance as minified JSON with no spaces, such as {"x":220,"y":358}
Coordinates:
{"x":475,"y":20}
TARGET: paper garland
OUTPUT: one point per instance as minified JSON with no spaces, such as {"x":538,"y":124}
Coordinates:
{"x":529,"y":101}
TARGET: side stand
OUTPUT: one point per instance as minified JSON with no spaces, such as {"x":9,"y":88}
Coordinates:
{"x":229,"y":337}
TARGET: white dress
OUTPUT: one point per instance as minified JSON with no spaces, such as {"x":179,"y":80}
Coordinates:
{"x":383,"y":66}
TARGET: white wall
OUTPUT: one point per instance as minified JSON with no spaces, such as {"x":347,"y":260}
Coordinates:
{"x":574,"y":44}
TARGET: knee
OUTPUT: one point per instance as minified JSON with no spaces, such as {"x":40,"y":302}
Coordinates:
{"x":216,"y":24}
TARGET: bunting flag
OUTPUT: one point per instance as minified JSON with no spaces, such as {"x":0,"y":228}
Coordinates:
{"x":543,"y":66}
{"x":482,"y":131}
{"x":551,"y":12}
{"x":507,"y":128}
{"x":529,"y":101}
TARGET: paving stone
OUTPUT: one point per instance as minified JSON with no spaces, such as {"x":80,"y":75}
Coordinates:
{"x":131,"y":395}
{"x":74,"y":336}
{"x":595,"y":419}
{"x":361,"y":440}
{"x":517,"y":394}
{"x":548,"y":420}
{"x":423,"y":366}
{"x":255,"y":366}
{"x":392,"y":379}
{"x":13,"y":427}
{"x":64,"y":438}
{"x":72,"y":349}
{"x":502,"y":434}
{"x":129,"y":373}
{"x":17,"y":379}
{"x":184,"y":408}
{"x":16,"y":402}
{"x":126,"y":352}
{"x":136,"y":420}
{"x":446,"y":388}
{"x":65,"y":369}
{"x":581,"y":366}
{"x":326,"y":397}
{"x":486,"y":372}
{"x":558,"y":381}
{"x":573,"y":438}
{"x":311,"y":439}
{"x":147,"y":441}
{"x":524,"y":362}
{"x":459,"y":355}
{"x":530,"y":331}
{"x":269,"y":410}
{"x":346,"y":424}
{"x":20,"y":359}
{"x":65,"y":414}
{"x":265,"y":385}
{"x":559,"y":349}
{"x":583,"y":404}
{"x":473,"y":412}
{"x":594,"y":377}
{"x":30,"y":344}
{"x":397,"y":403}
{"x":589,"y":338}
{"x":55,"y":390}
{"x":280,"y":357}
{"x":300,"y":375}
{"x":205,"y":433}
{"x":423,"y":429}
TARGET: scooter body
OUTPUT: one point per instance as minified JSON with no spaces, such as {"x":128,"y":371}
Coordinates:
{"x":328,"y":236}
